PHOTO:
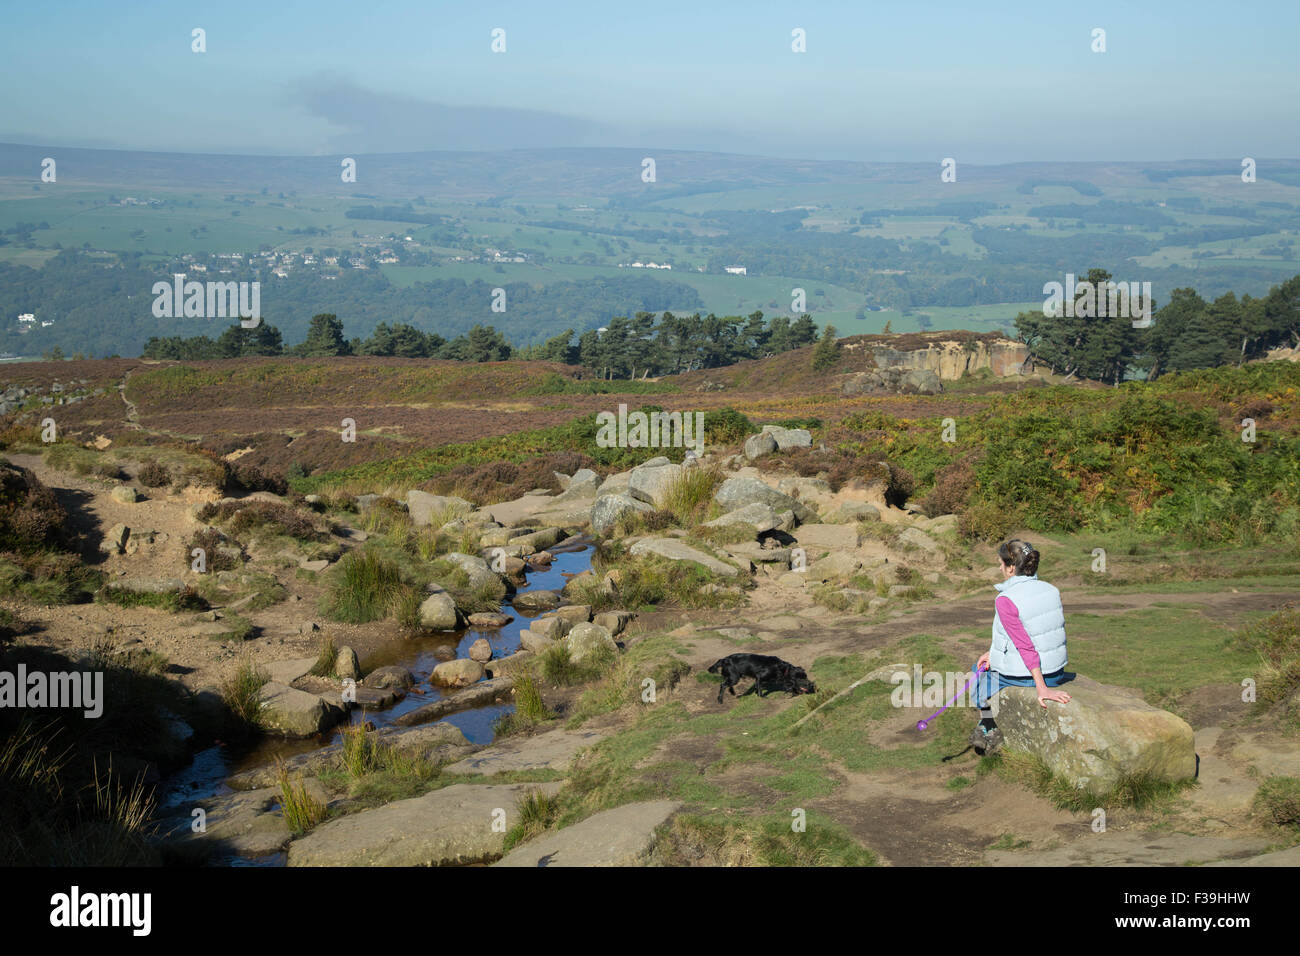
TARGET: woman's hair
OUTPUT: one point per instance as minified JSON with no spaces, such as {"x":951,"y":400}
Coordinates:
{"x":1021,"y":555}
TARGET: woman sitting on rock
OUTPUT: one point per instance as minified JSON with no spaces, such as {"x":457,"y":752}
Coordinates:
{"x":1028,"y":640}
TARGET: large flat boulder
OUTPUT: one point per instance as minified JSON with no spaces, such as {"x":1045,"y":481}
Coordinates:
{"x":675,"y":550}
{"x":623,"y":836}
{"x":1102,"y":733}
{"x":553,"y":750}
{"x":448,"y":826}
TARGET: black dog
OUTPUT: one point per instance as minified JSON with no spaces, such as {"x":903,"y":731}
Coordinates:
{"x":769,"y":673}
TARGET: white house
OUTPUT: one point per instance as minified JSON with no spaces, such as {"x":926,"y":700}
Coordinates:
{"x":737,"y":270}
{"x":27,"y":318}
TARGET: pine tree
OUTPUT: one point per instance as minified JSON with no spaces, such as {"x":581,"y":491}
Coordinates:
{"x":827,"y":352}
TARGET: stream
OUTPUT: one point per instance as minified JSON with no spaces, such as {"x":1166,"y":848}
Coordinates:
{"x":206,"y":775}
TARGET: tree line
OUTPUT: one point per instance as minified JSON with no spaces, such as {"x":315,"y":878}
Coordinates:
{"x":644,"y":344}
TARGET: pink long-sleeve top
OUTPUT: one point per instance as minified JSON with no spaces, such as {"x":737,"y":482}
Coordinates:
{"x":1010,"y":618}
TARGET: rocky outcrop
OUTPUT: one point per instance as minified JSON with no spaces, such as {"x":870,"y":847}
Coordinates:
{"x":1103,"y":733}
{"x":916,"y":381}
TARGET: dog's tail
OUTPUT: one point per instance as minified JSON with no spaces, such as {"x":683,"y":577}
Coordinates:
{"x":716,"y":665}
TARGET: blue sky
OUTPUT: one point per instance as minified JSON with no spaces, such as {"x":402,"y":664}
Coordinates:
{"x":881,"y":81}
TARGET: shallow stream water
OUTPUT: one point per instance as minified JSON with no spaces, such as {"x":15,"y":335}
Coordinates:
{"x":206,"y":775}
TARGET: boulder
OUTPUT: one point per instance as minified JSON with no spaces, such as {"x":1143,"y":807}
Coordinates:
{"x":448,"y":826}
{"x":738,"y":492}
{"x":788,"y":438}
{"x":615,"y":484}
{"x":460,"y":672}
{"x":576,"y":613}
{"x":125,"y":494}
{"x":916,"y":538}
{"x":286,"y":672}
{"x":115,"y":540}
{"x":436,"y":510}
{"x":651,"y":483}
{"x":758,"y":516}
{"x":838,"y":565}
{"x":489,"y":620}
{"x":675,"y":550}
{"x":608,"y":509}
{"x":587,"y":640}
{"x":536,"y":600}
{"x":438,"y":612}
{"x":1103,"y":733}
{"x":507,"y":665}
{"x":613,"y":621}
{"x":480,"y":651}
{"x":294,"y":713}
{"x":758,"y":445}
{"x":537,"y":540}
{"x":551,"y":628}
{"x":346,"y":664}
{"x":382,"y":678}
{"x":583,"y":484}
{"x":475,"y":568}
{"x":857,"y":511}
{"x":533,"y":642}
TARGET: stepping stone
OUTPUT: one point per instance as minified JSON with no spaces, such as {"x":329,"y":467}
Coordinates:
{"x":623,"y":836}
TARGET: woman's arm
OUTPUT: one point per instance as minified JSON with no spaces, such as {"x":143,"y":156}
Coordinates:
{"x":1010,"y":618}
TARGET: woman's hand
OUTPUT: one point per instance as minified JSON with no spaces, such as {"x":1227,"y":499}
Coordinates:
{"x":983,"y":662}
{"x":1046,"y":693}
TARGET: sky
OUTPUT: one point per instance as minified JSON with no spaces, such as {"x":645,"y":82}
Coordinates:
{"x":989,"y":82}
